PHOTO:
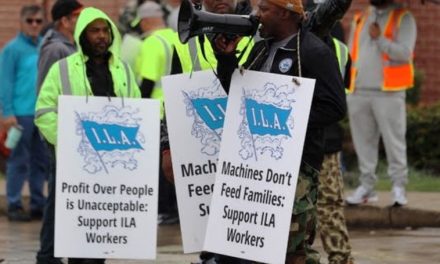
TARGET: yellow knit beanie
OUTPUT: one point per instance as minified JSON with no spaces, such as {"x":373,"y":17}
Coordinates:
{"x":292,"y":5}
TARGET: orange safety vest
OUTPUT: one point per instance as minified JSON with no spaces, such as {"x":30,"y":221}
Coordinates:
{"x":397,"y":76}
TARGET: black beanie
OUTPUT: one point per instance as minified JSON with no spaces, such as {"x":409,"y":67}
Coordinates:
{"x":64,"y":8}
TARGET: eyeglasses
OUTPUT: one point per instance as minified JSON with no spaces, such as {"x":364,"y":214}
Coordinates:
{"x":34,"y":20}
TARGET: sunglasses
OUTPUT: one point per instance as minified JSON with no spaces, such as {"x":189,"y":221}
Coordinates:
{"x":34,"y":20}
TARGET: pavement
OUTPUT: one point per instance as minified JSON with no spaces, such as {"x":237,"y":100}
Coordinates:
{"x":19,"y":244}
{"x":379,"y":233}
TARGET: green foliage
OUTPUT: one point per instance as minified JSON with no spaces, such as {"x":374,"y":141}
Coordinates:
{"x":423,"y":129}
{"x":413,"y":95}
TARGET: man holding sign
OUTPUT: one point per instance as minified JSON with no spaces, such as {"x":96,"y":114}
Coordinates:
{"x":94,"y":70}
{"x":290,"y":51}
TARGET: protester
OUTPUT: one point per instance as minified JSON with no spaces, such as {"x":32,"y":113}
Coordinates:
{"x":152,"y":63}
{"x":28,"y":160}
{"x":57,"y":44}
{"x":131,"y":32}
{"x":382,"y":43}
{"x":189,"y":57}
{"x":197,"y":54}
{"x":95,"y":69}
{"x":128,"y":15}
{"x":154,"y":58}
{"x":281,"y":28}
{"x":332,"y":227}
{"x":330,"y":205}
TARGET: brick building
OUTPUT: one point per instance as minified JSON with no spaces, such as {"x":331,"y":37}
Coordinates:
{"x":427,"y":49}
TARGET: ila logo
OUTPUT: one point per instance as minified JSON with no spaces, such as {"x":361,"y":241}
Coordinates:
{"x":267,"y":121}
{"x":211,"y":111}
{"x":207,"y":107}
{"x":109,"y":139}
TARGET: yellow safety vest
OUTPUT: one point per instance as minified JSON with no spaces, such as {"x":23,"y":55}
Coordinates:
{"x":342,"y":55}
{"x":154,"y":60}
{"x":191,"y":51}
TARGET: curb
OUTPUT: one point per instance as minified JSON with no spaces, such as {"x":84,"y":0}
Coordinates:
{"x":367,"y":216}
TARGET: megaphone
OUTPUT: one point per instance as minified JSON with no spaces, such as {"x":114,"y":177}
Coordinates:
{"x":192,"y":22}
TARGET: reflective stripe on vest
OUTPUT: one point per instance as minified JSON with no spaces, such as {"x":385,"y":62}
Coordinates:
{"x":342,"y":55}
{"x":127,"y":73}
{"x":194,"y":54}
{"x":192,"y":59}
{"x":64,"y":74}
{"x":43,"y":111}
{"x":167,"y":70}
{"x":66,"y":88}
{"x":397,"y":76}
{"x":188,"y":55}
{"x":358,"y":24}
{"x":65,"y":82}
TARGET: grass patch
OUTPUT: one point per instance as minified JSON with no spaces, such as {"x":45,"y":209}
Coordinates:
{"x":419,"y":180}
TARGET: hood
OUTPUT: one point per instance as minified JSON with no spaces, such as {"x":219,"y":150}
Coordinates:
{"x":87,"y":16}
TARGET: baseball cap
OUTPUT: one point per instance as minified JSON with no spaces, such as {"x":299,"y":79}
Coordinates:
{"x":147,"y":9}
{"x":64,"y":8}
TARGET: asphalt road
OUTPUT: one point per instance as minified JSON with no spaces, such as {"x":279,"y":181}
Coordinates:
{"x":19,"y":243}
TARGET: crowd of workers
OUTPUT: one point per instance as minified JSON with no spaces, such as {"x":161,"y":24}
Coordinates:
{"x":81,"y":52}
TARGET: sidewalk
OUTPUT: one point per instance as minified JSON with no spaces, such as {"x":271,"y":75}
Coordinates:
{"x":423,"y":210}
{"x":369,"y":246}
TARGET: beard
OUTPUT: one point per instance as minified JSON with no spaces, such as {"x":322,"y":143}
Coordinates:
{"x":94,"y":50}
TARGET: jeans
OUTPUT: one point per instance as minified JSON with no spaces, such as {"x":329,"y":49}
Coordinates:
{"x":28,"y":161}
{"x":47,"y":233}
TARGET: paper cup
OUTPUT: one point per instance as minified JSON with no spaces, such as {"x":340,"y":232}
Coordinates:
{"x":14,"y":135}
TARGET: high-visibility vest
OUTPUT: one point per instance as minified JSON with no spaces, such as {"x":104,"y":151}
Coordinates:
{"x":154,"y":60}
{"x":397,"y":76}
{"x":68,"y":77}
{"x":192,"y":59}
{"x":341,"y":51}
